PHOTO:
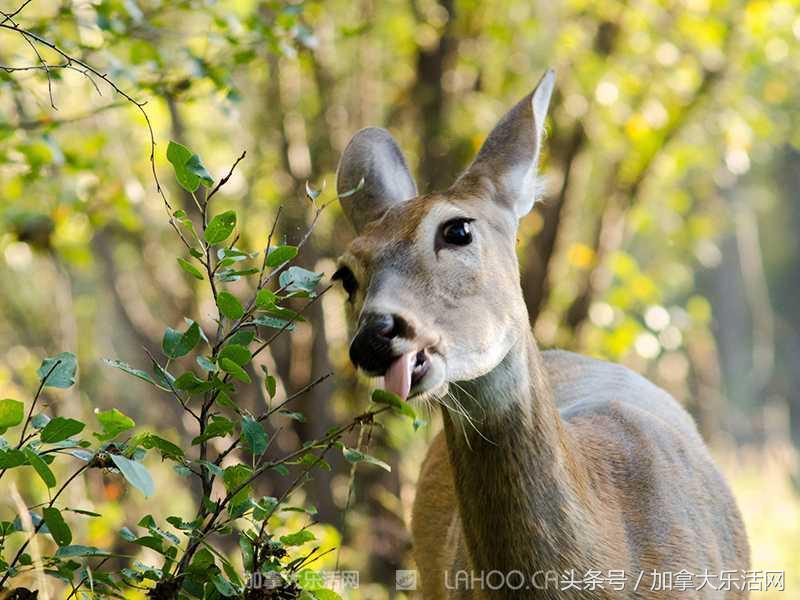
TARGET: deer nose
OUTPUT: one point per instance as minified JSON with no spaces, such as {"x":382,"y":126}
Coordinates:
{"x":371,"y":348}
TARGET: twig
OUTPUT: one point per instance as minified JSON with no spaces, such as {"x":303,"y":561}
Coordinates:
{"x":225,"y":179}
{"x":233,"y":445}
{"x":31,"y":37}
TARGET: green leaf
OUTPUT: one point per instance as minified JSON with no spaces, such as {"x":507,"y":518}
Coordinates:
{"x":135,"y":473}
{"x":166,"y":447}
{"x":271,"y":385}
{"x":253,"y":436}
{"x":324,"y":594}
{"x":243,"y":337}
{"x":224,"y":400}
{"x":12,"y":458}
{"x":176,"y":344}
{"x":123,"y":366}
{"x":190,"y":268}
{"x":215,"y":470}
{"x":246,"y":547}
{"x":220,"y":227}
{"x":395,"y":401}
{"x":61,"y":368}
{"x":354,"y":456}
{"x":218,"y":427}
{"x":113,"y":423}
{"x":196,"y":167}
{"x":284,"y":313}
{"x":202,"y":560}
{"x":189,"y":170}
{"x":266,"y":299}
{"x":298,"y":538}
{"x":230,"y":306}
{"x":234,"y":370}
{"x":11,"y":413}
{"x":296,"y":279}
{"x":40,"y":467}
{"x":238,"y":354}
{"x":223,"y":586}
{"x":79,"y":550}
{"x":233,"y":477}
{"x":61,"y":428}
{"x":264,"y":507}
{"x":272,"y":322}
{"x":192,"y":383}
{"x":57,"y":526}
{"x":281,"y":254}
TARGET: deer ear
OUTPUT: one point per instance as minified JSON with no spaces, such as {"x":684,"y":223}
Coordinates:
{"x":509,"y":156}
{"x":372,"y":155}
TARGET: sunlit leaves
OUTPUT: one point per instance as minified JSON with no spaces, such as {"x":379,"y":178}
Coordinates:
{"x":230,"y":306}
{"x":234,"y":370}
{"x":395,"y":401}
{"x":113,"y":422}
{"x":266,"y":299}
{"x":280,"y":255}
{"x":11,"y":413}
{"x":190,"y":268}
{"x":189,"y":169}
{"x":220,"y":227}
{"x":298,"y":538}
{"x":60,"y":428}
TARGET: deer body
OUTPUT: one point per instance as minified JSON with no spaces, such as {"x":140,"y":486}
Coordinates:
{"x":549,"y":463}
{"x":614,"y":478}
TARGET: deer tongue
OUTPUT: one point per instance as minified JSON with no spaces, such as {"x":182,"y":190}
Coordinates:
{"x":398,"y":376}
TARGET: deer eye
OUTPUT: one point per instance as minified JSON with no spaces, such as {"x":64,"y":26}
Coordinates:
{"x":349,"y":282}
{"x":457,"y":232}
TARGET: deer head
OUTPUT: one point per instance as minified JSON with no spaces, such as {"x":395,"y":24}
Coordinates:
{"x":433,"y":280}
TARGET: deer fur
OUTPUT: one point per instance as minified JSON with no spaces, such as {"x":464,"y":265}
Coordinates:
{"x":549,"y":462}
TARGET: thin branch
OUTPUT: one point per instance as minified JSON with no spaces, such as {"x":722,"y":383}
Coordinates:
{"x":235,"y":443}
{"x":9,"y":16}
{"x":225,"y":179}
{"x":31,"y":37}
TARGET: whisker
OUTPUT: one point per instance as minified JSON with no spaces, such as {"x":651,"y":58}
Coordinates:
{"x":469,"y":419}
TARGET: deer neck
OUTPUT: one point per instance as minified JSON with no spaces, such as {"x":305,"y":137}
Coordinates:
{"x":518,"y":481}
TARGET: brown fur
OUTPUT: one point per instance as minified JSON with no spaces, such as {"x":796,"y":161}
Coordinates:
{"x":617,"y":479}
{"x":549,"y":462}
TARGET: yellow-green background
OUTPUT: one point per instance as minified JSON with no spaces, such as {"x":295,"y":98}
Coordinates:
{"x":669,"y":222}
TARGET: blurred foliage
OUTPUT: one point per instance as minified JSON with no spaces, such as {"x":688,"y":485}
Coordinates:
{"x":666,"y":238}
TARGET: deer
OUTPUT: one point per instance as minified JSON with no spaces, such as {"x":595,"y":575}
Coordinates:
{"x":550,"y":465}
